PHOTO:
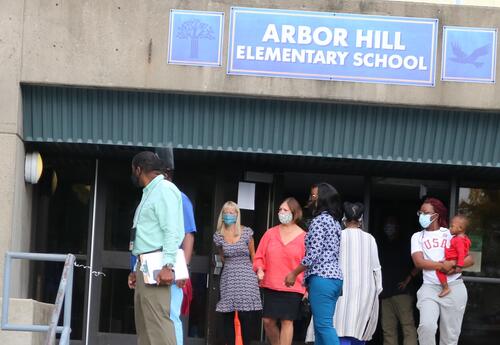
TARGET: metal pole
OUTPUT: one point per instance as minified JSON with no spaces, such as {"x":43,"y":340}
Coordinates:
{"x":68,"y":302}
{"x":6,"y":292}
{"x":453,"y":196}
{"x":31,"y":328}
{"x":65,"y":336}
{"x":51,"y":334}
{"x":91,"y":254}
{"x":39,"y":256}
{"x":67,"y":293}
{"x":367,"y":190}
{"x":485,"y":280}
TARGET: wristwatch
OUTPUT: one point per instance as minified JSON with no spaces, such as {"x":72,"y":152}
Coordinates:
{"x":169,"y":266}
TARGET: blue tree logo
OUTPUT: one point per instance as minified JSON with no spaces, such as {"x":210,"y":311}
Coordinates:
{"x":195,"y":30}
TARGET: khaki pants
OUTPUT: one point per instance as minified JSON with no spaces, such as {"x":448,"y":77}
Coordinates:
{"x":398,"y":309}
{"x":152,"y":314}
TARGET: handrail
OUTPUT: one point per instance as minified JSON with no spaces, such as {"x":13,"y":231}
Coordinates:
{"x":486,"y":280}
{"x":64,"y":294}
{"x":65,"y":289}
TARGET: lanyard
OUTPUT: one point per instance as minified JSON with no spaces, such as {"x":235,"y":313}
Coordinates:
{"x":141,"y":205}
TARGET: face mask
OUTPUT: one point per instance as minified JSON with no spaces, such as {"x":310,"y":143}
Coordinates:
{"x":135,"y":181}
{"x":285,"y":217}
{"x":425,"y":220}
{"x":390,"y":230}
{"x":229,"y":219}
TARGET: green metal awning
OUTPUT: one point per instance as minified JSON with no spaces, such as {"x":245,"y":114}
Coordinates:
{"x":101,"y":116}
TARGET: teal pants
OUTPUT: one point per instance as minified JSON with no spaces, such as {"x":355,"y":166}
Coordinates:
{"x":323,"y":296}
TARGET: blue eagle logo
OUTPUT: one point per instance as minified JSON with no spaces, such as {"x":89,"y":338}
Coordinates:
{"x":461,"y":57}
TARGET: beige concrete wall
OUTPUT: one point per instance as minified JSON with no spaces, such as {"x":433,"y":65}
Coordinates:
{"x":7,"y":178}
{"x":107,"y":43}
{"x":26,"y":312}
{"x":15,"y":201}
{"x":11,"y":26}
{"x":487,"y":3}
{"x":15,"y":212}
{"x":21,"y":224}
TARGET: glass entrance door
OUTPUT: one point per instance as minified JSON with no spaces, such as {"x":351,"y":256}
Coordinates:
{"x":111,"y":301}
{"x":111,"y":318}
{"x":481,"y":323}
{"x":395,"y":201}
{"x":62,"y":213}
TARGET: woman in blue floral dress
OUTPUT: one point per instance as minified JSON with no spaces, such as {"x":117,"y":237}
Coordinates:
{"x":239,"y":289}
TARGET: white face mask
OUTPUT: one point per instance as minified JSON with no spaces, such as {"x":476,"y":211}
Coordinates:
{"x":285,"y":217}
{"x":425,"y":220}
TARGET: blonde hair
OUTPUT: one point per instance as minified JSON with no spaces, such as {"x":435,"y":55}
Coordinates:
{"x":221,"y":227}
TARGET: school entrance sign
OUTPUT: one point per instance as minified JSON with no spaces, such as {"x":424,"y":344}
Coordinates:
{"x":332,"y":46}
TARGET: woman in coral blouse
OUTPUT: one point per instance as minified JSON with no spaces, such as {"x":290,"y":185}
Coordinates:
{"x":280,"y":250}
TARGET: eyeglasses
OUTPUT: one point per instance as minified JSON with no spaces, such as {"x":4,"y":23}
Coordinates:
{"x":420,"y":213}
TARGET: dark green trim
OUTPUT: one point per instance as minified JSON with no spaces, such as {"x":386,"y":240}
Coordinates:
{"x":99,"y":116}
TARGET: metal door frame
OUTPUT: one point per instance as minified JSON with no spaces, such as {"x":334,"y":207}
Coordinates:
{"x":101,"y":258}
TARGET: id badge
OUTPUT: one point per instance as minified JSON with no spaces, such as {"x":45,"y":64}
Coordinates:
{"x":132,"y":239}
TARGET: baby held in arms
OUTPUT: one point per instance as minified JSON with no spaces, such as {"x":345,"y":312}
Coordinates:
{"x":458,"y":250}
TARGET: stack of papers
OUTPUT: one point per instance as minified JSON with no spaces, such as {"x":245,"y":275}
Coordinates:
{"x":152,"y":263}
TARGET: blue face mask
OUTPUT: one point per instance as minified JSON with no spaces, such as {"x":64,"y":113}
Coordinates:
{"x":425,"y":220}
{"x":229,"y":219}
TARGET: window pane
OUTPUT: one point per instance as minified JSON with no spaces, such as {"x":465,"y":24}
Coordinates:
{"x":121,"y":200}
{"x":117,"y":303}
{"x":199,"y":188}
{"x":482,"y":206}
{"x":63,"y":198}
{"x":62,"y":202}
{"x":198,"y":308}
{"x":482,"y":317}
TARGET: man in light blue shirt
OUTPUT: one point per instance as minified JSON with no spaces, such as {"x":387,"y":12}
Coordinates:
{"x":158,"y":226}
{"x":177,"y":293}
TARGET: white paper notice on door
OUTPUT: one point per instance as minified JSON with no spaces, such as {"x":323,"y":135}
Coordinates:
{"x":246,"y":196}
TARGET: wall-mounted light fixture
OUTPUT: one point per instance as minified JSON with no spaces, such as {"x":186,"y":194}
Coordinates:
{"x":33,"y":167}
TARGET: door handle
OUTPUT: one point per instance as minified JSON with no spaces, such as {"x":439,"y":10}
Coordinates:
{"x":218,"y":264}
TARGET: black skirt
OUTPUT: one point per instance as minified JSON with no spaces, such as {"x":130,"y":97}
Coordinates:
{"x":281,"y":305}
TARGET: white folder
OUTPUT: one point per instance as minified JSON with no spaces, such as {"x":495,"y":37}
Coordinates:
{"x":151,"y":264}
